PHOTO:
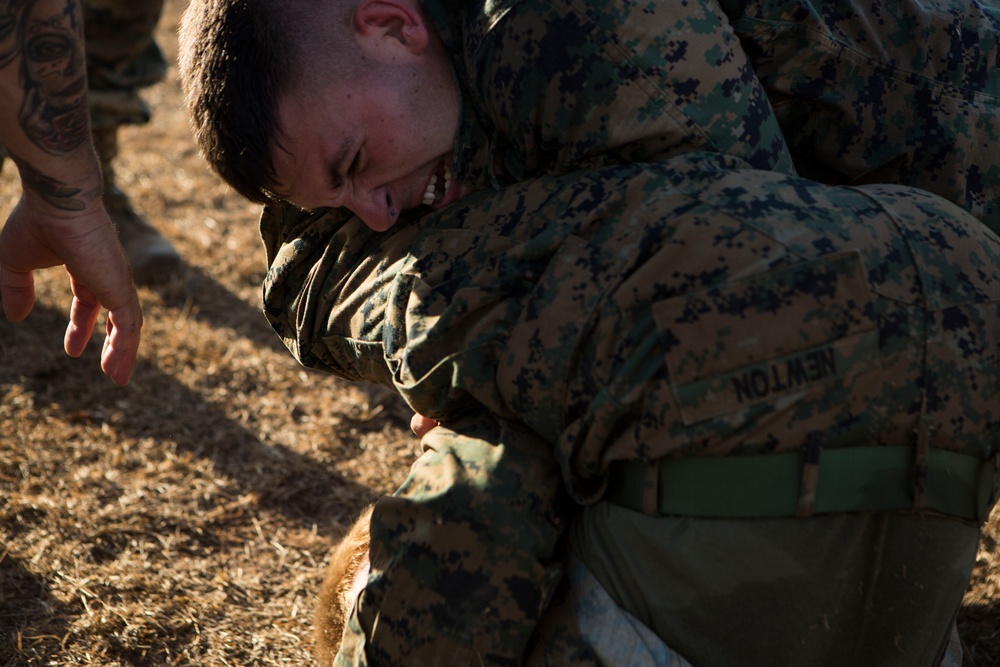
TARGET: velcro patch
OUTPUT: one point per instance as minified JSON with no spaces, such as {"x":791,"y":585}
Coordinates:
{"x":769,"y":337}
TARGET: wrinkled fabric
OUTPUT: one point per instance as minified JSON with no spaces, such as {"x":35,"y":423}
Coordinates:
{"x":622,"y":312}
{"x":554,"y":85}
{"x":616,"y":635}
{"x":673,"y":261}
{"x":865,"y":588}
{"x":896,"y":91}
{"x":612,"y":312}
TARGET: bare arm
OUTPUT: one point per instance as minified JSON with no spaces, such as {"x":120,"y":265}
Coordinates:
{"x":60,"y":219}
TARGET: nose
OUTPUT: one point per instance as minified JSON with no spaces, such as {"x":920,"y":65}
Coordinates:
{"x":376,"y":209}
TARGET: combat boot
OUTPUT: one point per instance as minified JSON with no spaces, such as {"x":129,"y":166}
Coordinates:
{"x":152,"y":257}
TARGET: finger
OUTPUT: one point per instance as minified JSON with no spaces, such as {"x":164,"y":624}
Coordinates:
{"x":110,"y":287}
{"x":17,"y":292}
{"x":421,"y":425}
{"x":121,"y":345}
{"x":82,"y":318}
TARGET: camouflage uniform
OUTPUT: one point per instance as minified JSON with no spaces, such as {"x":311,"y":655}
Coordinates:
{"x":550,"y":86}
{"x":594,"y":319}
{"x":894,"y":91}
{"x":891,"y":92}
{"x":122,"y":58}
{"x":586,"y":309}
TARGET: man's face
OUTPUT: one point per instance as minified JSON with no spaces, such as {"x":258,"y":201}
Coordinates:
{"x":377,"y":148}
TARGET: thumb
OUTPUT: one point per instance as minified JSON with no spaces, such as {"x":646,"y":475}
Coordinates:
{"x":17,"y":293}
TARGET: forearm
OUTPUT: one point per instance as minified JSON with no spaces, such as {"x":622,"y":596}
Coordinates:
{"x":44,"y":122}
{"x":329,"y":278}
{"x":60,"y":219}
{"x":464,"y":555}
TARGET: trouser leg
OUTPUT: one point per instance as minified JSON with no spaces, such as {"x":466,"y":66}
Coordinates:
{"x":123,"y":57}
{"x":152,"y":257}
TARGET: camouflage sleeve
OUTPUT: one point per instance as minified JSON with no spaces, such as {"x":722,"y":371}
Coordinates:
{"x":892,"y":91}
{"x":600,"y":310}
{"x":571,"y":83}
{"x":618,"y":314}
{"x":464,"y":554}
{"x":566,"y":83}
{"x":324,"y":289}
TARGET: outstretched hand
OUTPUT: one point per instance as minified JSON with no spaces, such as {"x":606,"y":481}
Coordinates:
{"x":85,"y":242}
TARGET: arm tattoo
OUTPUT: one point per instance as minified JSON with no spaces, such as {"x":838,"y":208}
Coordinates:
{"x":10,"y":16}
{"x":53,"y":191}
{"x":53,"y":76}
{"x":54,"y":113}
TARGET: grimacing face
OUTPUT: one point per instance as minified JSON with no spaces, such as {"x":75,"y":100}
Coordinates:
{"x":377,"y":146}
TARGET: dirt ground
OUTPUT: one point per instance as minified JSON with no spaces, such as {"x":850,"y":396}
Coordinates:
{"x":185,"y":519}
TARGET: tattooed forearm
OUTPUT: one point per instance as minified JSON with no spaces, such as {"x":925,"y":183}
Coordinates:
{"x":10,"y":15}
{"x":54,"y":112}
{"x":47,"y":37}
{"x":53,"y":191}
{"x":45,"y":122}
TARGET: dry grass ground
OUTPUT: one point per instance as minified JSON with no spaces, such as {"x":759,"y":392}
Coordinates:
{"x":185,"y":519}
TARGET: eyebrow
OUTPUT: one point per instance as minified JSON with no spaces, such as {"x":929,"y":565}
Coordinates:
{"x":335,"y":166}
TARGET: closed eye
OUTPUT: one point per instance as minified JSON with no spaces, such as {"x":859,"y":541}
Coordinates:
{"x":334,"y":166}
{"x":338,"y":180}
{"x":355,"y":164}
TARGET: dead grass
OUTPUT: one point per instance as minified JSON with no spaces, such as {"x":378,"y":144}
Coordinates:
{"x":185,"y":519}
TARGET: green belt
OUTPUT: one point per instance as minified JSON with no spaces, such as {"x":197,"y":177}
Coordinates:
{"x":851,"y":479}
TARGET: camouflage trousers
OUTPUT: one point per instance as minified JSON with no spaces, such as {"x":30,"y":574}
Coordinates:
{"x":122,"y":57}
{"x":637,"y":313}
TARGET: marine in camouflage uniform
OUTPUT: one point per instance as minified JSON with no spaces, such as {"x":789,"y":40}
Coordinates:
{"x":612,"y":336}
{"x":459,"y":576}
{"x":122,"y":58}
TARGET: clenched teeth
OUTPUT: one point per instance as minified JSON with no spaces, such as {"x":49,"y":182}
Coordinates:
{"x":431,"y":194}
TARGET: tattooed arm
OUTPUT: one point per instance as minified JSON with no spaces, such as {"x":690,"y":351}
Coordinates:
{"x":60,"y":218}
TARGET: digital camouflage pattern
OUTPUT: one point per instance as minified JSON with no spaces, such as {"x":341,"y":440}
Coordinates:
{"x":122,"y":57}
{"x":597,"y":309}
{"x":555,"y":85}
{"x":486,"y":490}
{"x":894,"y":91}
{"x":614,"y":314}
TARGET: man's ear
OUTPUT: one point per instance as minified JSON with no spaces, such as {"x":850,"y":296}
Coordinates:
{"x":391,"y":25}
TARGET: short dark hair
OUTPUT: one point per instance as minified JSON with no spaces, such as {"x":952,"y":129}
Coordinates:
{"x":237,"y":58}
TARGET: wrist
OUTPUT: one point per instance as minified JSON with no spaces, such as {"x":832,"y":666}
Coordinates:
{"x":65,"y":189}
